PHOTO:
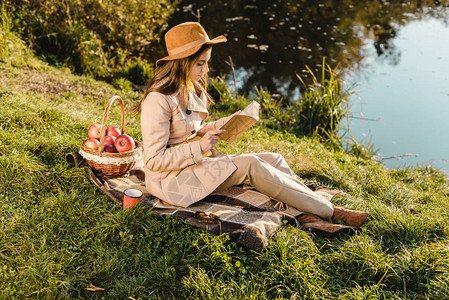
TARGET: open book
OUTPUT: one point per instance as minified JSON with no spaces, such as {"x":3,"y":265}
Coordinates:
{"x":238,"y":124}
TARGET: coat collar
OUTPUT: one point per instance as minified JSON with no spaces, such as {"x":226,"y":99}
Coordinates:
{"x":197,"y":103}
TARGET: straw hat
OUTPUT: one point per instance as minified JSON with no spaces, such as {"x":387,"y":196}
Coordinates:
{"x":186,"y":39}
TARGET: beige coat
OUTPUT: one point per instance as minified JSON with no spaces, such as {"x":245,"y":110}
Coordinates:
{"x":163,"y":124}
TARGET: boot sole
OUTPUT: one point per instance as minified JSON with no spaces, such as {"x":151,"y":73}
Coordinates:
{"x":341,"y":233}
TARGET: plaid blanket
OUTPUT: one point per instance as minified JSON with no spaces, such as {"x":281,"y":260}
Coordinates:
{"x":249,"y":217}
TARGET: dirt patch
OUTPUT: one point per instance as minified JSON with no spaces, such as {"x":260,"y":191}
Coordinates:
{"x":54,"y":81}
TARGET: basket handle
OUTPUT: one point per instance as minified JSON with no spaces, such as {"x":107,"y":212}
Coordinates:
{"x":105,"y":118}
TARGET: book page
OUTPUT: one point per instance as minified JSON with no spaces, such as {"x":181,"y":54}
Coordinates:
{"x":238,"y":124}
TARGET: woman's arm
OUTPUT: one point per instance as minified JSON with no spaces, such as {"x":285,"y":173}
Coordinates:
{"x":155,"y":125}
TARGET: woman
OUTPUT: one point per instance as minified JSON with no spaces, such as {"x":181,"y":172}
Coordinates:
{"x":181,"y":164}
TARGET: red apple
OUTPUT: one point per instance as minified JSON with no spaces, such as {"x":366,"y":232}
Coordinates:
{"x":124,"y":143}
{"x":109,"y":139}
{"x":109,"y":148}
{"x":92,"y":144}
{"x":94,"y":131}
{"x":113,"y":131}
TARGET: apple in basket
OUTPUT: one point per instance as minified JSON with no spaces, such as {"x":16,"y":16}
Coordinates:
{"x":109,"y":139}
{"x":124,"y":143}
{"x":92,"y":144}
{"x":113,"y":131}
{"x":94,"y":131}
{"x":109,"y":148}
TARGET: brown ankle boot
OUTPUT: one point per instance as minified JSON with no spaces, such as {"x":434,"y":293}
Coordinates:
{"x":317,"y":226}
{"x":350,"y":217}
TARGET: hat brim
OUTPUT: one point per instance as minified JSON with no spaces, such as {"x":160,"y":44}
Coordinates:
{"x":193,"y":50}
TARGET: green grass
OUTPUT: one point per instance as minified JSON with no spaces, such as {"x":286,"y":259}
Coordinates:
{"x":59,"y":233}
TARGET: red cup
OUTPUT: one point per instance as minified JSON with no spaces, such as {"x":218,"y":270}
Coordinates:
{"x":131,"y":197}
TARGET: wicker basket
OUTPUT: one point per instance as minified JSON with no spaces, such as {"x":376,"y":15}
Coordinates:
{"x":112,"y":164}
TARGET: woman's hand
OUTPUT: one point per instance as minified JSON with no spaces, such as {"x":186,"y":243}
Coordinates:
{"x":236,"y":113}
{"x":210,"y":126}
{"x":210,"y":139}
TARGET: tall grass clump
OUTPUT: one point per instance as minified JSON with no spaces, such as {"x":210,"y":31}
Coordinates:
{"x":323,"y":105}
{"x":99,"y":38}
{"x":319,"y":112}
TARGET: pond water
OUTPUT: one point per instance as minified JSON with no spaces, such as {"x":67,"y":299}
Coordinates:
{"x":410,"y":98}
{"x":394,"y":54}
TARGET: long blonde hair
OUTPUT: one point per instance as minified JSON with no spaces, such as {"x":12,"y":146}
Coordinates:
{"x":171,"y":77}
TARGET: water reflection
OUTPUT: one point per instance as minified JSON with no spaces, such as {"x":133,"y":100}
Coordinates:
{"x":270,"y":43}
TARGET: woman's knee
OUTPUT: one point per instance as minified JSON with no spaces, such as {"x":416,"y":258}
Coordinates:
{"x":271,"y":157}
{"x":262,"y":163}
{"x":247,"y":162}
{"x":279,"y":158}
